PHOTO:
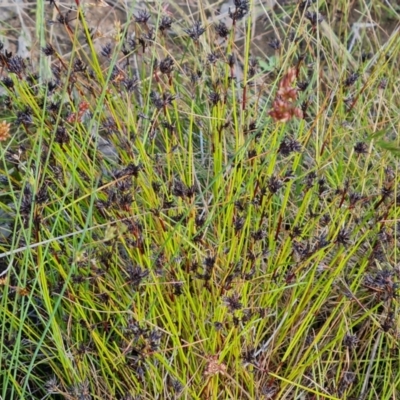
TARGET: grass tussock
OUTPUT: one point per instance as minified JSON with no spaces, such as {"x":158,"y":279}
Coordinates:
{"x":184,"y":216}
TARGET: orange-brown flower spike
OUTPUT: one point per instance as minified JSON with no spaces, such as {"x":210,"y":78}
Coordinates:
{"x":283,"y":108}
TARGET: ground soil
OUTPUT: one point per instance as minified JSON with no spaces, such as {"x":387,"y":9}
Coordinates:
{"x":18,"y":24}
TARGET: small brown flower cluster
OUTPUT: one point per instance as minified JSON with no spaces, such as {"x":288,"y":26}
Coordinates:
{"x":4,"y":131}
{"x":78,"y":117}
{"x":214,"y":367}
{"x":283,"y":107}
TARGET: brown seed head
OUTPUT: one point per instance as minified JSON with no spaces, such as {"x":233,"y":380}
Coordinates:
{"x":4,"y":131}
{"x":283,"y":108}
{"x":214,"y":367}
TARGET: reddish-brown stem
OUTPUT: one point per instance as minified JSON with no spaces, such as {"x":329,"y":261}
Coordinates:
{"x":244,"y":97}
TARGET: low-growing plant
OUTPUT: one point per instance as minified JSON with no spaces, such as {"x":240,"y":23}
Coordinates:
{"x":182,"y":219}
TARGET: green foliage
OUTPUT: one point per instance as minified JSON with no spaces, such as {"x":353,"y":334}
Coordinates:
{"x":172,"y":235}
